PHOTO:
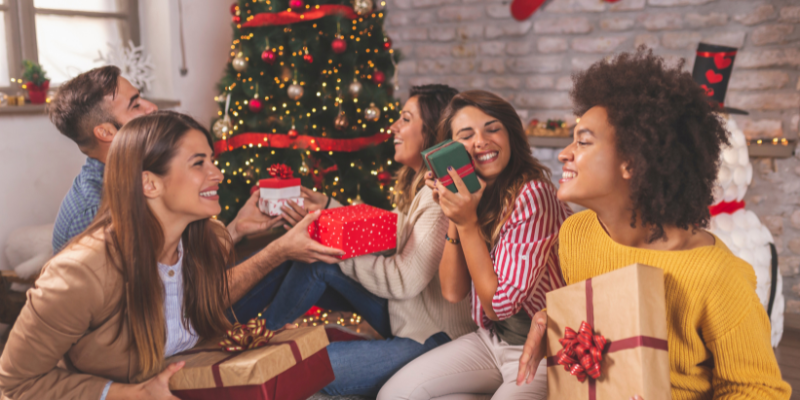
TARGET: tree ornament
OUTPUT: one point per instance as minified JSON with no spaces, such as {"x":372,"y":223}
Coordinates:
{"x":236,"y":19}
{"x":303,"y":169}
{"x":357,"y":200}
{"x":338,"y":46}
{"x":292,"y":132}
{"x":255,"y":106}
{"x":222,"y":127}
{"x":355,"y":88}
{"x":239,"y":62}
{"x":378,"y":77}
{"x":295,"y":91}
{"x":340,"y":122}
{"x":286,"y":74}
{"x":362,"y":7}
{"x":384,"y":177}
{"x":308,"y":58}
{"x":269,"y":56}
{"x":372,"y":113}
{"x":387,"y":43}
{"x":234,"y":8}
{"x":296,"y":5}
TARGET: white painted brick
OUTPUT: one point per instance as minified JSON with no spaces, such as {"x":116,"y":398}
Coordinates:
{"x":580,"y":63}
{"x":648,"y":40}
{"x":768,"y":34}
{"x":431,"y":3}
{"x":509,"y":29}
{"x":462,"y":50}
{"x":402,"y":4}
{"x":536,"y":64}
{"x":499,"y":10}
{"x":519,"y":48}
{"x":674,"y":3}
{"x":493,"y":65}
{"x":494,"y":48}
{"x":564,"y":83}
{"x":423,"y":80}
{"x":731,"y":39}
{"x":617,"y":24}
{"x":407,"y":67}
{"x":552,"y":45}
{"x":460,"y":13}
{"x":432,"y":50}
{"x":563,"y":25}
{"x":764,"y":128}
{"x":572,"y":6}
{"x":627,"y":5}
{"x":790,"y":14}
{"x":794,"y":125}
{"x":540,"y":82}
{"x":400,"y":18}
{"x":442,"y":34}
{"x":544,"y":100}
{"x":505,"y":82}
{"x":409,"y":34}
{"x":768,"y":58}
{"x":436,"y":66}
{"x":470,"y":31}
{"x":604,"y":44}
{"x":462,"y":66}
{"x":706,"y":20}
{"x":757,"y":15}
{"x":681,"y":40}
{"x":763,"y":101}
{"x":661,"y":21}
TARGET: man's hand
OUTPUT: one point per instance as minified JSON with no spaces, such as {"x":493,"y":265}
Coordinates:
{"x":534,"y":350}
{"x":250,"y":220}
{"x":298,"y":246}
{"x":313,"y":200}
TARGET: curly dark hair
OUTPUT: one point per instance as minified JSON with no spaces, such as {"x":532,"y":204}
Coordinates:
{"x":666,"y":130}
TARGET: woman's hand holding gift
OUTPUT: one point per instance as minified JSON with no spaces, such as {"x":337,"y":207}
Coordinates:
{"x":313,"y":201}
{"x":460,"y":207}
{"x":155,"y":388}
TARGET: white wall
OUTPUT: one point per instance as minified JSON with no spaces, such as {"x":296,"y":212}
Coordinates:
{"x":39,"y":164}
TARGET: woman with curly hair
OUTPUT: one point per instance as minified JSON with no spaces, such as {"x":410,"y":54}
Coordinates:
{"x":501,"y":252}
{"x":644,"y":161}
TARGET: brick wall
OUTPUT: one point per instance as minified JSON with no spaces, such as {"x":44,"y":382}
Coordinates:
{"x":475,"y":44}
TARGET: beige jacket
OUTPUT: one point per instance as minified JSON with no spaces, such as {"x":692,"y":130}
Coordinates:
{"x":62,"y":346}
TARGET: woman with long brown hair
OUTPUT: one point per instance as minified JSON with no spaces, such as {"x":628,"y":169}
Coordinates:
{"x":149,"y":277}
{"x":501,"y":250}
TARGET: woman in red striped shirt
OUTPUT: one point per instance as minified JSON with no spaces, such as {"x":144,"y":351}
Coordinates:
{"x":502,"y":250}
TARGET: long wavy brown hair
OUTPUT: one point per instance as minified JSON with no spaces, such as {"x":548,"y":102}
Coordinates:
{"x":134,"y":239}
{"x":432,"y":100}
{"x":498,"y":200}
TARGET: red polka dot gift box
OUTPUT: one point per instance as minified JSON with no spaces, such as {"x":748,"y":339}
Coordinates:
{"x":357,"y":230}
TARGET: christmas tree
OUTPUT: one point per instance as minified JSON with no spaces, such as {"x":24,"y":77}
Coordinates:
{"x":307,"y":87}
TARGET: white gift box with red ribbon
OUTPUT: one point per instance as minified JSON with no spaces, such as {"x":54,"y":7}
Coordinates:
{"x":276,"y":192}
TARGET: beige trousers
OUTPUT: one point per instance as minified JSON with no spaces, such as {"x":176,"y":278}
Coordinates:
{"x":475,"y":366}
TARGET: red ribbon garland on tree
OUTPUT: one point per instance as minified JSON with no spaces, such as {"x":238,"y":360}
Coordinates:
{"x":582,"y":352}
{"x":245,"y":337}
{"x":291,"y":17}
{"x":280,"y":171}
{"x":304,"y":142}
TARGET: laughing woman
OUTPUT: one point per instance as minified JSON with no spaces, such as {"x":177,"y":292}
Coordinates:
{"x":501,"y":252}
{"x":644,"y":162}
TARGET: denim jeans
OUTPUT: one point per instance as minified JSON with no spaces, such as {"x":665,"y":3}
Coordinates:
{"x":293,"y":287}
{"x":362,"y":367}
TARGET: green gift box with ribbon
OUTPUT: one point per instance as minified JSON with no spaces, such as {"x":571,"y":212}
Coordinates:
{"x":451,"y":154}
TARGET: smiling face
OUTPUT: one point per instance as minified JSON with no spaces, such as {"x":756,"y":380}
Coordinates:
{"x":189,"y":189}
{"x":408,"y":139}
{"x":486,"y":141}
{"x":593,"y":172}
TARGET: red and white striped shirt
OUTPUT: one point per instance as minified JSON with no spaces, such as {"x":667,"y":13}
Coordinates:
{"x":525,"y":257}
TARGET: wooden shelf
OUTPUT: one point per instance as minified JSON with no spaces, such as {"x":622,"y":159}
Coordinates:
{"x":29,"y":109}
{"x":770,"y":150}
{"x":549,"y":141}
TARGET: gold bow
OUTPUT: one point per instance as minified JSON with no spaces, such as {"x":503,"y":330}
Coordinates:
{"x":245,"y":337}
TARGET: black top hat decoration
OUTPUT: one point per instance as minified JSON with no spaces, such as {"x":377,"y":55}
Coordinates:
{"x":712,"y":70}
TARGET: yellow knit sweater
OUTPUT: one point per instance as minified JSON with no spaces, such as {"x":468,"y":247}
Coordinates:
{"x":718,"y":332}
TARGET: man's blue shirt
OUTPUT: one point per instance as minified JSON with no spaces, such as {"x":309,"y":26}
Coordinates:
{"x":80,"y":204}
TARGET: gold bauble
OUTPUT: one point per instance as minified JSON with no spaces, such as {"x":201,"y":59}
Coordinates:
{"x":222,"y":127}
{"x":341,"y":123}
{"x":295,"y":91}
{"x":239,"y":62}
{"x":355,"y":88}
{"x":362,"y":7}
{"x":372,"y":113}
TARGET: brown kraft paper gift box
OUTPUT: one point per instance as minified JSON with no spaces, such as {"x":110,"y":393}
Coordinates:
{"x":293,"y":366}
{"x":628,"y":308}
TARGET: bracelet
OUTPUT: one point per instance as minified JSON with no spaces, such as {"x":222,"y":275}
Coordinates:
{"x":451,"y":240}
{"x":328,"y":203}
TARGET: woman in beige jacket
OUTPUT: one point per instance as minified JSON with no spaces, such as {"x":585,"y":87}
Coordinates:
{"x":110,"y":307}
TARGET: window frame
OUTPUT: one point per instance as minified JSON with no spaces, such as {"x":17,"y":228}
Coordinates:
{"x":21,"y":31}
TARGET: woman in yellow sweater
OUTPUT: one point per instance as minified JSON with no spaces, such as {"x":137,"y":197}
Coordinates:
{"x":643,"y":161}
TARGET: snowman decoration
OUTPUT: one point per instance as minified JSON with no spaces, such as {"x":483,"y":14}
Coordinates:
{"x":740,"y":229}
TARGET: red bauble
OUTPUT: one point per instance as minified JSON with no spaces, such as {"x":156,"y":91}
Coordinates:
{"x":255,"y":105}
{"x":384,"y":178}
{"x":268,"y":56}
{"x":378,"y":77}
{"x":292,"y":133}
{"x":309,"y":58}
{"x":236,"y":19}
{"x":387,"y":44}
{"x":296,"y":5}
{"x":234,"y":6}
{"x":338,"y":46}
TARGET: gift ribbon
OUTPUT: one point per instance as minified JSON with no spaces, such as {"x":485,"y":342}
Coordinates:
{"x":252,"y":335}
{"x":726,"y":207}
{"x":582,"y":352}
{"x":614,"y":346}
{"x":462,"y":172}
{"x":280,"y":171}
{"x":303,"y":142}
{"x":291,"y":17}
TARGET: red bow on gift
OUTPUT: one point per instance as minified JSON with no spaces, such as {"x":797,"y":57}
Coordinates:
{"x":245,"y":337}
{"x":280,"y":171}
{"x":581,"y":352}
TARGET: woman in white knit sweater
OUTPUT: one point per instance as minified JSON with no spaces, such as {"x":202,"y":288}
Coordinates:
{"x":399,"y":295}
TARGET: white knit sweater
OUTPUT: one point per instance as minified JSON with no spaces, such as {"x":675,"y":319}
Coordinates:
{"x":409,"y":279}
